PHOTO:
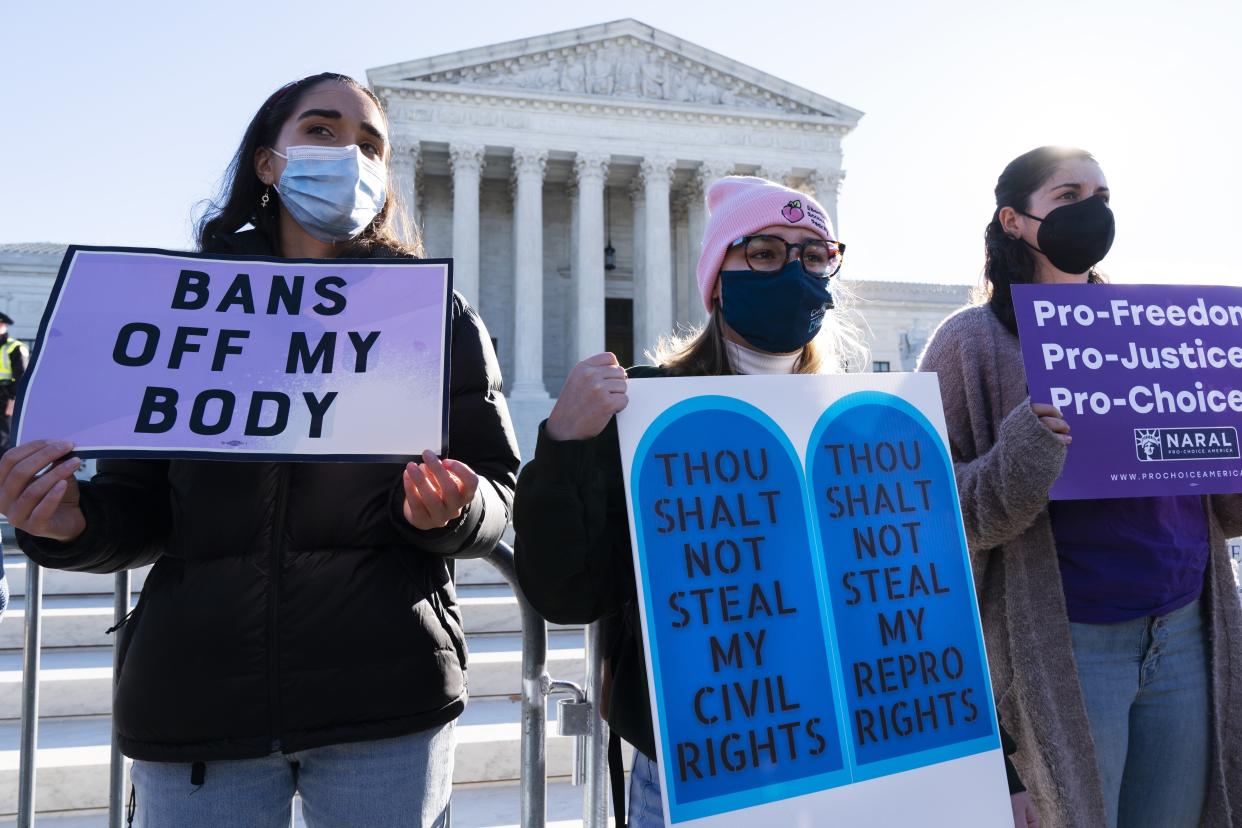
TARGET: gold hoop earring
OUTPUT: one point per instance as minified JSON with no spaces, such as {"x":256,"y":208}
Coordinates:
{"x":266,"y":197}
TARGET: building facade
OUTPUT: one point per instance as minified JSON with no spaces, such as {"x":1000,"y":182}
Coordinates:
{"x":564,"y":174}
{"x":27,"y":273}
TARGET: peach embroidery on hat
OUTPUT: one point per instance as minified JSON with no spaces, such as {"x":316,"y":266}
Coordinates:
{"x":792,"y":211}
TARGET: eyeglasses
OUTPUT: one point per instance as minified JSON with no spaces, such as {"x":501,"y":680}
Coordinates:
{"x":768,"y":254}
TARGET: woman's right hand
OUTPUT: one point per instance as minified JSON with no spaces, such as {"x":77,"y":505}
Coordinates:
{"x":1050,"y":417}
{"x":594,"y":391}
{"x":44,"y":505}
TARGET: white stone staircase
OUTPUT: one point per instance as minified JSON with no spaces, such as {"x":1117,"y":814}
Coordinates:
{"x":76,"y":686}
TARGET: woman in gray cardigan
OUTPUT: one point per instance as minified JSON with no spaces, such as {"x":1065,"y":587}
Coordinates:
{"x":1113,"y":627}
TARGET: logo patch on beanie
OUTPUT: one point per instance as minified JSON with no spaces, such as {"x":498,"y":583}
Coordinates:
{"x":817,"y":219}
{"x":792,"y":212}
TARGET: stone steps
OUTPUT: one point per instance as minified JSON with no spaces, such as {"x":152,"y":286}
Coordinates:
{"x":73,"y":755}
{"x":479,"y":805}
{"x":77,"y":681}
{"x":76,"y":690}
{"x":471,"y":572}
{"x":83,"y":620}
{"x":57,"y":582}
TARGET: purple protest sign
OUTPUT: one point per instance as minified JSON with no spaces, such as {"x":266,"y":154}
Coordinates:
{"x":1149,"y":378}
{"x":152,"y":353}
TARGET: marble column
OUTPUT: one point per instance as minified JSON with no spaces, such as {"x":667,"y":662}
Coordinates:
{"x":683,"y":267}
{"x":696,"y":208}
{"x":467,"y":163}
{"x":827,"y":186}
{"x":406,"y":160}
{"x":570,"y":316}
{"x":696,"y":220}
{"x":709,"y":172}
{"x":653,"y":293}
{"x":638,"y":198}
{"x":529,"y":166}
{"x":773,"y":172}
{"x":590,"y":170}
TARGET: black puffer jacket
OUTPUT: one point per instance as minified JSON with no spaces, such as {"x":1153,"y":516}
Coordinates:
{"x":291,"y":605}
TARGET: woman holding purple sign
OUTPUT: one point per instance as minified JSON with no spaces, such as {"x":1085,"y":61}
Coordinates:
{"x":299,"y":631}
{"x":1112,"y":626}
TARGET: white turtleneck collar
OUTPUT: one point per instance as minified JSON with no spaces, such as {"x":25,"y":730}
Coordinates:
{"x":749,"y":361}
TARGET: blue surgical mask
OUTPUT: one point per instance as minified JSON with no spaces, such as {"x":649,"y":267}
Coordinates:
{"x":332,"y":192}
{"x":776,"y":312}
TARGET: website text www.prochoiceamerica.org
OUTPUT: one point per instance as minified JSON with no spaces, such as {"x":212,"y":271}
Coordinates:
{"x":1192,"y":474}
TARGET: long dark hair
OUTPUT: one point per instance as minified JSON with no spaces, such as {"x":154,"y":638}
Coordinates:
{"x":241,"y":191}
{"x":705,"y":353}
{"x":1009,"y":261}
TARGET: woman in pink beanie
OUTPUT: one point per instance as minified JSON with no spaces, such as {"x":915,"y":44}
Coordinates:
{"x":766,"y":275}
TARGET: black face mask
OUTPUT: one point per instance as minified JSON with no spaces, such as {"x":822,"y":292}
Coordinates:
{"x":1075,"y":237}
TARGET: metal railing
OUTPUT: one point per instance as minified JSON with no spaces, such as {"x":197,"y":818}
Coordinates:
{"x":116,"y":773}
{"x":33,"y":617}
{"x":578,"y":717}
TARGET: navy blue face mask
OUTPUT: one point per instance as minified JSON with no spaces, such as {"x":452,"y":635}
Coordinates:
{"x":775,"y":312}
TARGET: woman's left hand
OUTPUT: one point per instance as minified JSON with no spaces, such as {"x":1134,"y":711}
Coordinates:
{"x":437,"y":491}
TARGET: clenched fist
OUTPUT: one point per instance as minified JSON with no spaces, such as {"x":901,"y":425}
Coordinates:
{"x":594,"y":391}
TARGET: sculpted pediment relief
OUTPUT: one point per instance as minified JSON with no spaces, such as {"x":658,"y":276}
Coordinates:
{"x":620,"y":69}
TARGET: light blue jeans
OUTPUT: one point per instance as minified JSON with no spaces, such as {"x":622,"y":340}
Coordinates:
{"x":644,"y":810}
{"x":404,"y":781}
{"x":1145,"y":684}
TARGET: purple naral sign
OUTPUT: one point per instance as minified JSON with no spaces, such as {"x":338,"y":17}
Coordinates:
{"x":1149,"y":377}
{"x":152,"y":353}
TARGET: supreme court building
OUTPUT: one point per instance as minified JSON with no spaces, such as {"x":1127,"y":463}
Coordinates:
{"x":564,"y":174}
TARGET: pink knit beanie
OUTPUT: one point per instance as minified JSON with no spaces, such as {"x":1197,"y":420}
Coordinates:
{"x":739,"y":205}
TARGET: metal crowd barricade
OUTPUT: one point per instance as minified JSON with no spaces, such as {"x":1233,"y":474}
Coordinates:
{"x":591,"y":745}
{"x":33,"y":620}
{"x":590,"y":751}
{"x":33,"y":617}
{"x":116,"y":772}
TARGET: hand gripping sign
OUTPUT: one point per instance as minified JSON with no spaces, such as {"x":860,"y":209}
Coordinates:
{"x":151,"y":353}
{"x":1149,"y":377}
{"x":813,"y":643}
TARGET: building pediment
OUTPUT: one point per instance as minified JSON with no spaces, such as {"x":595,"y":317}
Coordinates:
{"x":623,"y":61}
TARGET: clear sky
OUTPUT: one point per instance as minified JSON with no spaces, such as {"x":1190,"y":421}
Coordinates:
{"x":120,"y":117}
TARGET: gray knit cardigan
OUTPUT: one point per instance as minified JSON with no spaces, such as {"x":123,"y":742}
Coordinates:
{"x":1005,"y":462}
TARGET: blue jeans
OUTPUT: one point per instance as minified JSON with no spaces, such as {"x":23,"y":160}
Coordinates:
{"x":404,"y":781}
{"x":1145,"y":684}
{"x":645,"y":809}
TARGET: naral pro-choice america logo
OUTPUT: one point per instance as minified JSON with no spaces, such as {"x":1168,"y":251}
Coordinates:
{"x":1155,"y":444}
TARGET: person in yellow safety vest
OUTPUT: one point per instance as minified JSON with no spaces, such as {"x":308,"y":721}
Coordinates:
{"x":13,"y":358}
